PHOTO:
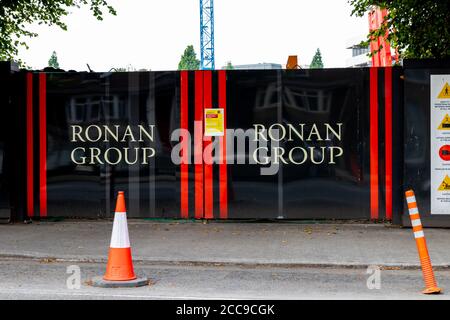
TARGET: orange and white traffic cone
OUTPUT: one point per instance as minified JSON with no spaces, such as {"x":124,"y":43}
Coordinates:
{"x":427,"y":268}
{"x":119,"y":269}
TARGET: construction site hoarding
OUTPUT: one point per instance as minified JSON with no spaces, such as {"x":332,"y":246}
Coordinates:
{"x":228,"y":144}
{"x":254,"y":144}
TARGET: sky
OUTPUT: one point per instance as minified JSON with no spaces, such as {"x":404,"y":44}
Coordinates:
{"x":152,"y":34}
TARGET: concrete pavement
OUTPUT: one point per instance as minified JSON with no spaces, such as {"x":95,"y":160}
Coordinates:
{"x":229,"y":243}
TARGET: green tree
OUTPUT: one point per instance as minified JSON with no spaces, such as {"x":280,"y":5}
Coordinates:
{"x":53,"y":61}
{"x":16,"y":16}
{"x":417,"y":28}
{"x":229,"y":66}
{"x":189,"y":59}
{"x":316,"y":62}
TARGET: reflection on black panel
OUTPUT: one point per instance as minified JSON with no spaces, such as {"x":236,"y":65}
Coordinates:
{"x":253,"y":98}
{"x":94,"y":150}
{"x":327,"y":104}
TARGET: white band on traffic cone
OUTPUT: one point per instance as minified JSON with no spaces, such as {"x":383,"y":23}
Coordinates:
{"x":120,"y":237}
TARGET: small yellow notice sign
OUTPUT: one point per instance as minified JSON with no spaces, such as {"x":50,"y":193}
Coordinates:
{"x":214,"y":122}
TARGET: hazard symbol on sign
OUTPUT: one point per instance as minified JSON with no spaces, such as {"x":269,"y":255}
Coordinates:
{"x":445,"y":92}
{"x":444,"y":152}
{"x":445,"y":123}
{"x":445,"y":185}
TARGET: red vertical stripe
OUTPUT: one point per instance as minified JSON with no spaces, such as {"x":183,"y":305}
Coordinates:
{"x":42,"y":145}
{"x":207,"y":86}
{"x":374,"y":143}
{"x":184,"y":164}
{"x":29,"y":130}
{"x":223,"y":173}
{"x":375,"y":43}
{"x":198,"y":144}
{"x":385,"y":52}
{"x":388,"y":139}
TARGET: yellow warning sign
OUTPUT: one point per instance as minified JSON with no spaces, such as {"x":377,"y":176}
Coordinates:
{"x":214,"y":122}
{"x":445,"y":123}
{"x":445,"y":185}
{"x":445,"y":92}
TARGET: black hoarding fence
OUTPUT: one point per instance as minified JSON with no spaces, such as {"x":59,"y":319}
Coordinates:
{"x":256,"y":144}
{"x":9,"y":165}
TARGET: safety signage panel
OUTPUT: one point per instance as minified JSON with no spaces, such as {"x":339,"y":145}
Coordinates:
{"x":440,"y":143}
{"x":214,"y":122}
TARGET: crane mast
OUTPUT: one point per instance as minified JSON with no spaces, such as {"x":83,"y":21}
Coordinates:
{"x":207,"y":35}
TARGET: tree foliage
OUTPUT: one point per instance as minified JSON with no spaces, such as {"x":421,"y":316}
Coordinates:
{"x":53,"y":61}
{"x":189,"y":59}
{"x":229,"y":66}
{"x":16,"y":16}
{"x":417,"y":28}
{"x":316,"y":62}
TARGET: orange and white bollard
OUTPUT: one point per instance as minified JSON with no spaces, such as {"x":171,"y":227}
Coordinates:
{"x":427,"y":268}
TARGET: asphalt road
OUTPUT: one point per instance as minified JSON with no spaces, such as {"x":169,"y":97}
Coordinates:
{"x":45,"y":279}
